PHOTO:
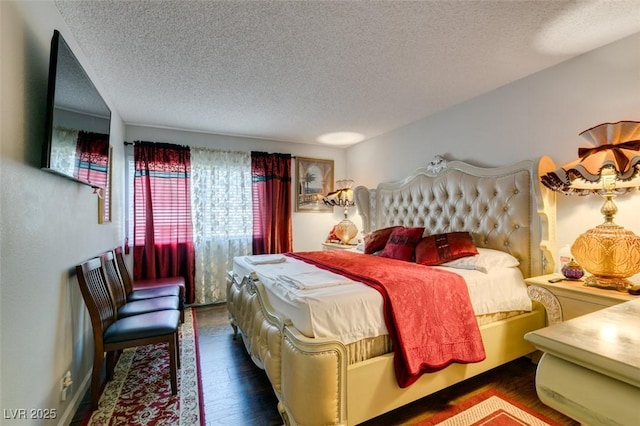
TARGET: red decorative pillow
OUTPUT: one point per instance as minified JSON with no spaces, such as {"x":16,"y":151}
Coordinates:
{"x":440,"y":248}
{"x":376,"y":240}
{"x":402,"y":243}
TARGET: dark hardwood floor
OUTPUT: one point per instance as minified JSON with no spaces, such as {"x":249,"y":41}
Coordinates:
{"x":236,"y":392}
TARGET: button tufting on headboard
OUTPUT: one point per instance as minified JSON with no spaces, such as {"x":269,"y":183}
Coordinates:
{"x":503,"y":208}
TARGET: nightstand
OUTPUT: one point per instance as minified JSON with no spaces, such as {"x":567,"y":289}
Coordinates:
{"x":590,"y":369}
{"x":336,"y":246}
{"x":573,"y":297}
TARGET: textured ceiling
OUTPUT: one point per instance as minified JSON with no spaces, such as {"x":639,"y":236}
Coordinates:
{"x":292,"y":71}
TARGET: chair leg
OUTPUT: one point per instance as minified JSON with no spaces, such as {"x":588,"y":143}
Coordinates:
{"x":112,"y":357}
{"x":172,"y":365}
{"x":96,"y":374}
{"x":178,"y":352}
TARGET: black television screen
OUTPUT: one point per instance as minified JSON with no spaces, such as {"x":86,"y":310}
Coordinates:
{"x":77,"y":122}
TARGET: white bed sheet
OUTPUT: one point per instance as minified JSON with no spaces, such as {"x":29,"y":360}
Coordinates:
{"x":350,"y":311}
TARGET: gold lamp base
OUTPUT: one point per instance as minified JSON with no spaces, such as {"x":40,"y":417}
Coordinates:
{"x":610,"y":253}
{"x":608,"y":283}
{"x":346,"y":231}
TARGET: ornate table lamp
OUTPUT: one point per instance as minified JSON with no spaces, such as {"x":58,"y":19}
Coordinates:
{"x":343,"y":197}
{"x":610,"y":167}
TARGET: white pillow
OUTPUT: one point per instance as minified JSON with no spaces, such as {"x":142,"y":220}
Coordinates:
{"x":484,"y":261}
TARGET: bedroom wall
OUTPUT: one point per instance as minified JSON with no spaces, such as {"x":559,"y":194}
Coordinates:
{"x":309,"y":229}
{"x":538,"y":115}
{"x":48,"y":224}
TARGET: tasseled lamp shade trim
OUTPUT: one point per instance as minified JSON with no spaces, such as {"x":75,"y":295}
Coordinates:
{"x":615,"y":145}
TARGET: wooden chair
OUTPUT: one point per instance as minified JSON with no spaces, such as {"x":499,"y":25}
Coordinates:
{"x":112,"y":335}
{"x":149,"y":288}
{"x":124,"y":307}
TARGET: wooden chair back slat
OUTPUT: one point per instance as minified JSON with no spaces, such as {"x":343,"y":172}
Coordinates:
{"x":127,"y":281}
{"x":93,"y":287}
{"x":114,"y":279}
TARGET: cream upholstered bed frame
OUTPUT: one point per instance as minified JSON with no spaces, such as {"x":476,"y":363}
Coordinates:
{"x":503,"y":208}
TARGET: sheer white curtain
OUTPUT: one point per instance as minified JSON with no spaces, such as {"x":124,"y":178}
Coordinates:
{"x":63,"y":151}
{"x":221,"y":210}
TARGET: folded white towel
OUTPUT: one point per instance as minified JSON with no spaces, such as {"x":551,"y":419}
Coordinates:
{"x":264,"y":259}
{"x":312,"y":280}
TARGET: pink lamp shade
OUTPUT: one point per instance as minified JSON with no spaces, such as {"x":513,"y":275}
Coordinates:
{"x":616,"y":145}
{"x":610,"y":166}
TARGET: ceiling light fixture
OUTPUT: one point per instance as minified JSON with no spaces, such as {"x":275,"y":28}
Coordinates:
{"x":341,"y":138}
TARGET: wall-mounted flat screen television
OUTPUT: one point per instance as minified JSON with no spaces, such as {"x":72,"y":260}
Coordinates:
{"x":78,"y":121}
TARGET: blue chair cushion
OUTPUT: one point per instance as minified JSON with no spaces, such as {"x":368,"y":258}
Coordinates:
{"x":142,"y":326}
{"x":151,"y":293}
{"x":138,"y":307}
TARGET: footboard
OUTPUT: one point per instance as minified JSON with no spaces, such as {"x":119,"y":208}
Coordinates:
{"x":312,"y":387}
{"x":311,"y":378}
{"x":260,"y":328}
{"x":314,"y":382}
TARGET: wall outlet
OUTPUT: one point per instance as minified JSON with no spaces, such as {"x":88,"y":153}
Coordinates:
{"x":65,"y":383}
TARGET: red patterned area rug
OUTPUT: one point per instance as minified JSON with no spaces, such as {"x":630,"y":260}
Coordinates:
{"x":140,"y":392}
{"x":489,"y":408}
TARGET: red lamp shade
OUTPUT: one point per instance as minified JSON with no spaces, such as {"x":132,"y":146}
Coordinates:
{"x":609,"y":166}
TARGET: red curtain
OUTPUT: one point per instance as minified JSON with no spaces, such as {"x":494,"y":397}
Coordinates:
{"x":271,"y":191}
{"x":92,"y":158}
{"x":163,"y":240}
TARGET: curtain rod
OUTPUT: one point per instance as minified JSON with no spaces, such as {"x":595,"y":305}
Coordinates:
{"x":133,"y":143}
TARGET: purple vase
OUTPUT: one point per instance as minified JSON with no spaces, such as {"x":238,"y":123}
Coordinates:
{"x":572,"y":271}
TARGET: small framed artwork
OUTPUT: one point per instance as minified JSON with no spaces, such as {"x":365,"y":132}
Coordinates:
{"x":314,"y":180}
{"x":104,"y":199}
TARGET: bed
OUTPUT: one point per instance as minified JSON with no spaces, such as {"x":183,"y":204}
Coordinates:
{"x":322,"y":379}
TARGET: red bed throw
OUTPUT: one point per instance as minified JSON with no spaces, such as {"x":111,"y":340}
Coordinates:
{"x":427,"y":311}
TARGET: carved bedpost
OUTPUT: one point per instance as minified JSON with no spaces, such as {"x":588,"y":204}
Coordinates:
{"x":547,"y":213}
{"x":363,"y":198}
{"x":549,"y":301}
{"x":322,"y":361}
{"x":290,"y":359}
{"x":260,"y":328}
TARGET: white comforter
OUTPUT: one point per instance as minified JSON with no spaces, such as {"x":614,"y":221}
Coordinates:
{"x":320,"y":303}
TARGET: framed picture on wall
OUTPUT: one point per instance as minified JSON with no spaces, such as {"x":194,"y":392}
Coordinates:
{"x":314,"y":180}
{"x":104,"y":199}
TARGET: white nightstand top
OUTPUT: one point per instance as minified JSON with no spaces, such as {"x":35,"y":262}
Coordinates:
{"x":606,"y":341}
{"x":575,"y":288}
{"x":337,"y":246}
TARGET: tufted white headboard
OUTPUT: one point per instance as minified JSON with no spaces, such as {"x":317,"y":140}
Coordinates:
{"x":503,"y":208}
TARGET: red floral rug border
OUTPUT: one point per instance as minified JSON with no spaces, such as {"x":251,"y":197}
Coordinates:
{"x":140,"y":392}
{"x":489,"y":408}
